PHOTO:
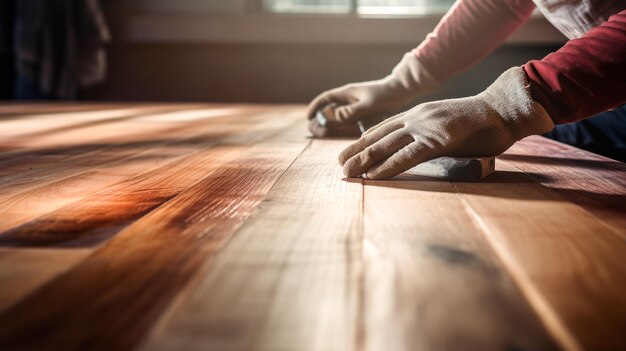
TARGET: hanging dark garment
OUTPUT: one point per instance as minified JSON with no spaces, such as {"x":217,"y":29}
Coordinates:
{"x":59,"y":45}
{"x":6,"y":50}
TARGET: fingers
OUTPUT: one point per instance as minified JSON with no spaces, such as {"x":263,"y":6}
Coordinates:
{"x":403,"y":160}
{"x":366,"y":141}
{"x":317,"y":103}
{"x":352,"y":112}
{"x":329,"y":97}
{"x":383,"y":122}
{"x":376,"y":153}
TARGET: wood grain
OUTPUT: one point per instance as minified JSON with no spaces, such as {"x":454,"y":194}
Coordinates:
{"x":144,"y":267}
{"x":22,"y":271}
{"x":99,"y":216}
{"x":75,"y":179}
{"x":432,"y":281}
{"x":595,"y":183}
{"x":62,"y":155}
{"x":568,"y":263}
{"x":222,"y":227}
{"x":289,"y":279}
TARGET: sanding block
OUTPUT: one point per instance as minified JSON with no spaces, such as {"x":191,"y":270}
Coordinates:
{"x":458,"y":169}
{"x":455,"y":169}
{"x":325,"y":124}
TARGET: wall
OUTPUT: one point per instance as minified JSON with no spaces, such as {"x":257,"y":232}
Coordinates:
{"x":240,"y":70}
{"x":270,"y":73}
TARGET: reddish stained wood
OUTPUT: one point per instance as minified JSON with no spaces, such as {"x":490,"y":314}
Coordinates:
{"x":44,"y":155}
{"x":568,"y":263}
{"x":101,"y":215}
{"x":432,"y":280}
{"x":289,"y":278}
{"x":595,"y":183}
{"x":22,"y":271}
{"x":87,"y":174}
{"x":566,"y":260}
{"x":17,"y":110}
{"x":145,"y":266}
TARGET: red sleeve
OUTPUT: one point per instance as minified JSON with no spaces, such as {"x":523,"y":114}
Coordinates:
{"x":586,"y":76}
{"x":470,"y":31}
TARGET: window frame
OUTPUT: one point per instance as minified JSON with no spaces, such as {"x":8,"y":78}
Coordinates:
{"x":149,"y":23}
{"x":261,"y":6}
{"x":352,"y":9}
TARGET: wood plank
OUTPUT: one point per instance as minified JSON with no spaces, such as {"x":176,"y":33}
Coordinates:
{"x":54,"y":110}
{"x":36,"y":154}
{"x":62,"y":162}
{"x":595,"y":183}
{"x":18,"y":130}
{"x":73,"y":180}
{"x":27,"y":269}
{"x":145,"y":266}
{"x":91,"y":141}
{"x":10,"y":109}
{"x":541,"y":146}
{"x":101,"y":215}
{"x":432,"y":281}
{"x":28,"y":153}
{"x":288,"y":280}
{"x":291,"y":257}
{"x":35,"y":202}
{"x":568,"y":263}
{"x":24,"y":270}
{"x":22,"y":127}
{"x":51,"y":196}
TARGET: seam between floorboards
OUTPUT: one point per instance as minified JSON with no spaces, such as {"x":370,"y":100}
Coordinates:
{"x":609,"y":226}
{"x":540,"y":305}
{"x":361,"y":314}
{"x":164,"y":319}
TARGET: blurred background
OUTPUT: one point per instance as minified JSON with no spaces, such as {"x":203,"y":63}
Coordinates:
{"x":265,"y":51}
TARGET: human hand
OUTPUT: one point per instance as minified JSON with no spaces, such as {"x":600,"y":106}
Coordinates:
{"x":483,"y":125}
{"x":356,"y":101}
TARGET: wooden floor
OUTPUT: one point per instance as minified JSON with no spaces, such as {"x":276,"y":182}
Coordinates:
{"x":224,"y":227}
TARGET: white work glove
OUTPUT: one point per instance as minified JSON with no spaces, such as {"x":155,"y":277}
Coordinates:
{"x":356,"y":101}
{"x":483,"y":125}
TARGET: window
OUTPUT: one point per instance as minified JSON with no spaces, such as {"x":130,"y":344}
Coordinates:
{"x":309,"y":6}
{"x":364,"y":7}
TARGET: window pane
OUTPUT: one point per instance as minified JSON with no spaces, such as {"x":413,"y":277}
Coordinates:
{"x":403,"y":7}
{"x":309,"y":6}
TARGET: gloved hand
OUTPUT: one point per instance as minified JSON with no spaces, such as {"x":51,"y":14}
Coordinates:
{"x":332,"y":129}
{"x":324,"y":125}
{"x":483,"y":125}
{"x":356,"y":101}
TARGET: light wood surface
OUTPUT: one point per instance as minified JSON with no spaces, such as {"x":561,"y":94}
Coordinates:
{"x":224,"y":227}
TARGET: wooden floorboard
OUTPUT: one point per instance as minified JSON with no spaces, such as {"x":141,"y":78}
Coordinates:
{"x":77,"y":178}
{"x":134,"y":269}
{"x":101,"y":215}
{"x":599,"y":187}
{"x":567,"y":262}
{"x":22,"y":271}
{"x":432,"y":280}
{"x":289,"y":279}
{"x":224,"y":227}
{"x":94,"y":146}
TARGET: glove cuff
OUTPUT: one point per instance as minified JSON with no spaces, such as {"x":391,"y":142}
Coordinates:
{"x":509,"y":96}
{"x":412,"y":76}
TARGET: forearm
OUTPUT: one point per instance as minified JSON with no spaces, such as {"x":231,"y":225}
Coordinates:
{"x":586,"y":76}
{"x":469,"y":32}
